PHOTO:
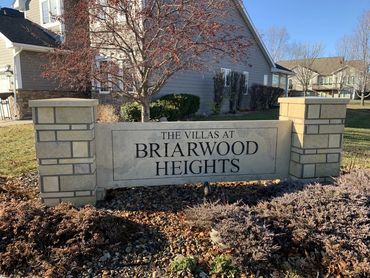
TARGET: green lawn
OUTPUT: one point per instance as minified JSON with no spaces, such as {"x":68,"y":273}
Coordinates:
{"x":17,"y":148}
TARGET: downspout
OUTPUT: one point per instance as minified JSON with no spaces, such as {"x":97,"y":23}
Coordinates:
{"x":286,"y":85}
{"x":15,"y":75}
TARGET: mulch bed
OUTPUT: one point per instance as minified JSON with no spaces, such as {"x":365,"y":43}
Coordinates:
{"x":147,"y":229}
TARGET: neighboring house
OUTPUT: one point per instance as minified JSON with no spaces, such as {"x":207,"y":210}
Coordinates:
{"x":260,"y":68}
{"x":330,"y":76}
{"x":23,"y":48}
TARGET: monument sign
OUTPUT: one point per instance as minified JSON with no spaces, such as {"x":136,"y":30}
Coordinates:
{"x":140,"y":154}
{"x":80,"y":159}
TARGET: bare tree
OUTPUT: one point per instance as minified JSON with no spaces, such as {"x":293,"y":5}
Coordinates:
{"x":362,"y":52}
{"x":305,"y":55}
{"x":356,"y":47}
{"x":277,"y":39}
{"x":135,"y":47}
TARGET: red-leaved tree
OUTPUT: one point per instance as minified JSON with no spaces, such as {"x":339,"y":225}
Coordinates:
{"x":134,"y":47}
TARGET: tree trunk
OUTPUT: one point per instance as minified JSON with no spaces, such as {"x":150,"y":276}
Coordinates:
{"x":362,"y":99}
{"x":145,"y":111}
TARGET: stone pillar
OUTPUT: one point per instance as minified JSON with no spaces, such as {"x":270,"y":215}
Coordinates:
{"x":317,"y":135}
{"x":65,"y":149}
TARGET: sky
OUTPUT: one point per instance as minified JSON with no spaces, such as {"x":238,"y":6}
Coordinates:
{"x":324,"y":21}
{"x":313,"y":21}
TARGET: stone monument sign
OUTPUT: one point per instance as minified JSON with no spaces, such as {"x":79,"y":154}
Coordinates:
{"x":79,"y":159}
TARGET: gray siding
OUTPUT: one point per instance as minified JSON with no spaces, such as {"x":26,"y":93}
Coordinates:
{"x":200,"y":83}
{"x":31,"y":66}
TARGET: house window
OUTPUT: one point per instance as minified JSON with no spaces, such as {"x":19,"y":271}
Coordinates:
{"x":282,"y":82}
{"x":50,"y":9}
{"x":330,"y":80}
{"x":104,"y":84}
{"x":290,"y":84}
{"x":275,"y":80}
{"x":265,"y":79}
{"x":227,"y":76}
{"x":321,"y":80}
{"x":246,"y":82}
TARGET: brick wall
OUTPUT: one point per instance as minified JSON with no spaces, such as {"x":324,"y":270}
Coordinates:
{"x":24,"y":96}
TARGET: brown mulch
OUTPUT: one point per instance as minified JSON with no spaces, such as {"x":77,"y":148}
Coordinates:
{"x":133,"y":233}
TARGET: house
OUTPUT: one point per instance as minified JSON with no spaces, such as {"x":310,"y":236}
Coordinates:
{"x":260,"y":68}
{"x":23,"y":47}
{"x":329,"y":76}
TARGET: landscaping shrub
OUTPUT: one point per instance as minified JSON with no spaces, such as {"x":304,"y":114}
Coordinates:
{"x":51,"y":241}
{"x":264,"y":97}
{"x":219,"y":88}
{"x":107,"y":114}
{"x":320,"y":229}
{"x":174,"y":107}
{"x":185,"y":104}
{"x":131,"y":112}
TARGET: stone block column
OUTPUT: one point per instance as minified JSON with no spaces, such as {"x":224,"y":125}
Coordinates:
{"x":317,"y":135}
{"x":65,"y":149}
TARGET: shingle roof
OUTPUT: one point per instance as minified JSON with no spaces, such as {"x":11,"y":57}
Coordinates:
{"x":280,"y":67}
{"x":17,"y":29}
{"x":324,"y":66}
{"x":357,"y":64}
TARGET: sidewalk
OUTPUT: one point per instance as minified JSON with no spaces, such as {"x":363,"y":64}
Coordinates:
{"x":11,"y":122}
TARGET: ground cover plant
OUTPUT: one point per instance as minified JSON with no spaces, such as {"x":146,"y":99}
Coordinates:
{"x":274,"y":230}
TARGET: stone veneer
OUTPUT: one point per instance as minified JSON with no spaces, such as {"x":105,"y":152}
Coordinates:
{"x":317,"y":135}
{"x":65,"y":149}
{"x":24,"y":96}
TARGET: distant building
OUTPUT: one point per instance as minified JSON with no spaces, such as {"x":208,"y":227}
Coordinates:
{"x":331,"y":76}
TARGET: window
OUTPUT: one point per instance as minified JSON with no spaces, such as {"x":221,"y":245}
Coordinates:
{"x":290,"y":81}
{"x":246,"y":82}
{"x":227,"y":76}
{"x":321,"y":80}
{"x":282,"y":82}
{"x":275,"y":80}
{"x":330,"y":80}
{"x":265,"y":80}
{"x":104,"y":82}
{"x":49,"y":10}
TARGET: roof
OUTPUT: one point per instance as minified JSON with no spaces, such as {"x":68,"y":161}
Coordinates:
{"x":19,"y":30}
{"x":324,"y":66}
{"x":281,"y":68}
{"x":357,"y":64}
{"x":239,"y":4}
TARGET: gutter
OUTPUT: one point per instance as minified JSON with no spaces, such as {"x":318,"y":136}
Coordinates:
{"x":273,"y":69}
{"x":31,"y":47}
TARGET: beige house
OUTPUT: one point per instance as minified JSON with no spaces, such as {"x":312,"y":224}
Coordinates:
{"x":330,"y":76}
{"x":27,"y":33}
{"x":22,"y":63}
